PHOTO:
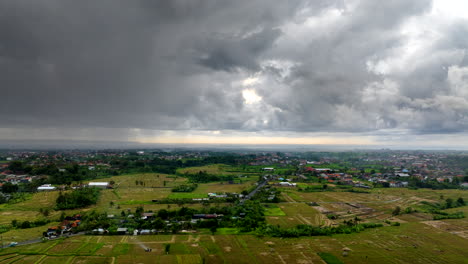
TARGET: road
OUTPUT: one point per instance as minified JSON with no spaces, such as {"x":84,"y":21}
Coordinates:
{"x":252,"y":193}
{"x":37,"y":240}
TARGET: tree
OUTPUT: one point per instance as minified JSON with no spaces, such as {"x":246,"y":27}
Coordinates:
{"x":45,"y":212}
{"x":25,"y":224}
{"x":9,"y":187}
{"x":139,"y":211}
{"x":213,"y":229}
{"x":397,"y":211}
{"x":62,"y":216}
{"x":163,"y":214}
{"x":449,"y":203}
{"x":167,"y":248}
{"x":460,"y":202}
{"x":16,"y":166}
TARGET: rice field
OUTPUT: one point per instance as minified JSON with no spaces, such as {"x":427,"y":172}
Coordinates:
{"x":217,"y":169}
{"x":408,"y":243}
{"x":419,"y":239}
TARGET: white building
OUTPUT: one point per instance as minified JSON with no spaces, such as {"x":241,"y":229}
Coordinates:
{"x":46,"y":187}
{"x":103,"y":185}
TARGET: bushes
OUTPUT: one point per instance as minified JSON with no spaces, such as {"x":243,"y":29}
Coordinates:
{"x":392,"y":223}
{"x":444,"y":215}
{"x":449,"y":203}
{"x":332,"y":216}
{"x":307,"y":230}
{"x":185,"y":188}
{"x":77,"y":198}
{"x":27,"y":224}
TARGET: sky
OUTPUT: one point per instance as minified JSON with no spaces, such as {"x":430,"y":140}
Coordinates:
{"x":357,"y":72}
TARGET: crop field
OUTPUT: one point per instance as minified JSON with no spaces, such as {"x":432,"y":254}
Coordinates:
{"x":28,"y":209}
{"x":148,"y":180}
{"x":24,"y":234}
{"x":216,"y":187}
{"x":377,"y":205}
{"x":408,"y":243}
{"x":419,"y":238}
{"x":187,"y":195}
{"x":217,"y":169}
{"x":292,"y":214}
{"x":273,"y":210}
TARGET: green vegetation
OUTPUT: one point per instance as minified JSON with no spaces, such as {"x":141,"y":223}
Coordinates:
{"x":329,"y":258}
{"x":185,"y":188}
{"x":204,"y":177}
{"x":308,"y":230}
{"x":186,"y":196}
{"x":443,"y":215}
{"x":77,"y":198}
{"x":274,"y":211}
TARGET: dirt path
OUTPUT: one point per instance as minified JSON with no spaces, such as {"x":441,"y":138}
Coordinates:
{"x":281,"y":258}
{"x":288,"y":198}
{"x":304,"y":219}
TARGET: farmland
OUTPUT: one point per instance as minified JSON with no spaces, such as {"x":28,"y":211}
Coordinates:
{"x":408,"y":243}
{"x":411,"y":242}
{"x":220,"y":228}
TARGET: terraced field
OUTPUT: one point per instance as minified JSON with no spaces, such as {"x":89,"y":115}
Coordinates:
{"x":408,"y":243}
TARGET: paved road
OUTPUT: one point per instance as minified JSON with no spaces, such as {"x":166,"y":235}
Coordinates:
{"x":252,"y":193}
{"x":37,"y":240}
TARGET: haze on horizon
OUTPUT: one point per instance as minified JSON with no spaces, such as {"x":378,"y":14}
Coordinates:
{"x":347,"y":72}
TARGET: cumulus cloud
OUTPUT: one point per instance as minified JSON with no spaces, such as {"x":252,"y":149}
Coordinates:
{"x":355,"y":66}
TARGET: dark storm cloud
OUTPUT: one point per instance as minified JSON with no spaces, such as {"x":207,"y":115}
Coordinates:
{"x":124,"y":63}
{"x":228,"y":53}
{"x":180,"y":65}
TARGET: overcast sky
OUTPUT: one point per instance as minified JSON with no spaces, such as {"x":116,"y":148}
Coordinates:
{"x":244,"y":71}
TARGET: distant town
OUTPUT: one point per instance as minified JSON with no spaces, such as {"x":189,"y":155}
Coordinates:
{"x":31,"y":171}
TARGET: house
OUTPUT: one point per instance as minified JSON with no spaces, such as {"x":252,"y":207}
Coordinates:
{"x":402,"y":174}
{"x":52,"y":231}
{"x":323,"y":169}
{"x":147,"y":216}
{"x":103,"y":185}
{"x":268,"y":169}
{"x":287,"y":184}
{"x":122,"y":230}
{"x":145,"y":232}
{"x":99,"y":231}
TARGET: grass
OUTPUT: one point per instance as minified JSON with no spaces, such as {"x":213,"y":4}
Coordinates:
{"x":216,"y":187}
{"x":17,"y":235}
{"x":329,"y":258}
{"x":227,"y":231}
{"x":275,"y":211}
{"x":218,"y":169}
{"x":187,"y":195}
